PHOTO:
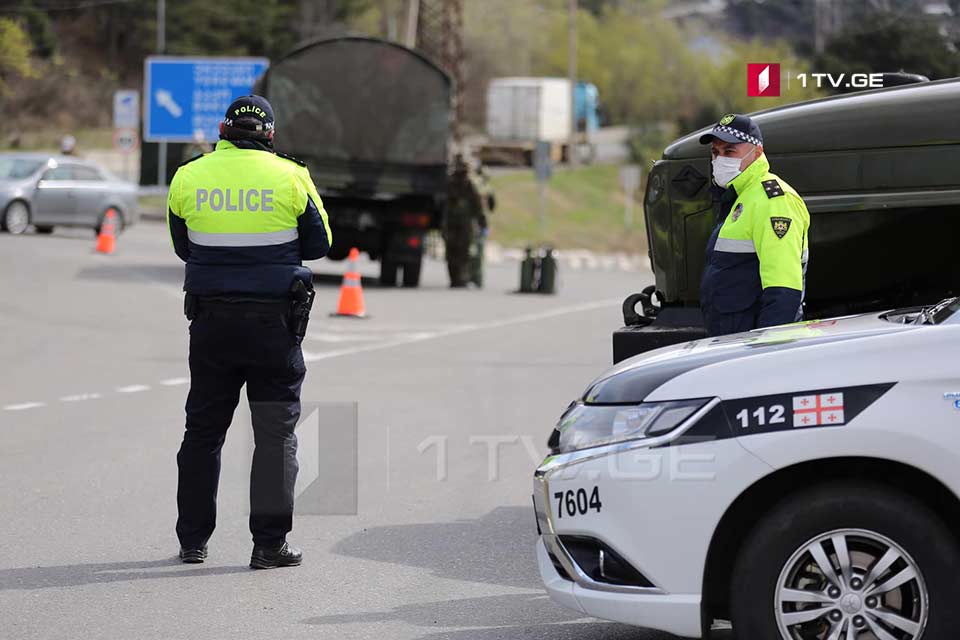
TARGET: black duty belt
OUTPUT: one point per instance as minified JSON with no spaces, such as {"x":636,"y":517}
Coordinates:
{"x":243,"y":304}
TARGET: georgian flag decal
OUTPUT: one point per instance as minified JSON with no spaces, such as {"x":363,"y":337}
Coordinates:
{"x":822,"y":409}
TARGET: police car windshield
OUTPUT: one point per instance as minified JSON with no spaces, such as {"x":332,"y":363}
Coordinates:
{"x":944,"y":312}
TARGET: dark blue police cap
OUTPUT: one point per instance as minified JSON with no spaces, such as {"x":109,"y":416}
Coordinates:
{"x":734,"y":128}
{"x":252,"y":113}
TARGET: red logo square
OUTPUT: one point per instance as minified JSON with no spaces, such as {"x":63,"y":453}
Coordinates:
{"x":763,"y":80}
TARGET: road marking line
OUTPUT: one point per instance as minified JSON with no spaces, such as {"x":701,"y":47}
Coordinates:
{"x":408,"y":338}
{"x":77,"y":397}
{"x":336,"y":338}
{"x":133,"y":388}
{"x":467,"y":328}
{"x":23,"y":405}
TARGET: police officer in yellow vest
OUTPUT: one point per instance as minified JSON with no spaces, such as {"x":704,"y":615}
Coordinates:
{"x":243,"y":218}
{"x":757,"y":255}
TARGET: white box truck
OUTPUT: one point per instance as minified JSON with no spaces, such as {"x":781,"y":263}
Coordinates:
{"x":521,"y":111}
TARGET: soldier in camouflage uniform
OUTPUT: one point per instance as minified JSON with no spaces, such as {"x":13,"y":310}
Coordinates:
{"x":462,"y":222}
{"x":488,"y":203}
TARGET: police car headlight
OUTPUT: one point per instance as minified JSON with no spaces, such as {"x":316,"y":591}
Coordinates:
{"x":583,"y":426}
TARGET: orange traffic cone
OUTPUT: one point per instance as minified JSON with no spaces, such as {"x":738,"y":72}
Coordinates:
{"x":351,"y":291}
{"x":107,"y":239}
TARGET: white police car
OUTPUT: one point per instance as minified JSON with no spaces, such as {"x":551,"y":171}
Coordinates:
{"x":800,"y":481}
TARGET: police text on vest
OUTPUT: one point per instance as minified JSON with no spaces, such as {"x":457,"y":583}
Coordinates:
{"x":235,"y":199}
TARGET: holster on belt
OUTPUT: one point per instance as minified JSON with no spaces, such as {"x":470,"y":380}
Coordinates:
{"x":301,"y":303}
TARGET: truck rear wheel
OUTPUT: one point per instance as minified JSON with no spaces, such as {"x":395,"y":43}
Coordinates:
{"x":411,"y":274}
{"x":847,"y":560}
{"x":388,"y":272}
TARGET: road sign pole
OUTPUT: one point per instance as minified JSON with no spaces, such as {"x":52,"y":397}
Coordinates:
{"x":630,"y":183}
{"x":542,"y":165}
{"x":162,"y":164}
{"x":542,"y":207}
{"x":161,"y":49}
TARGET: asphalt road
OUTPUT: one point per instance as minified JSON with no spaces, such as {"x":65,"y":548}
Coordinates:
{"x":441,"y":547}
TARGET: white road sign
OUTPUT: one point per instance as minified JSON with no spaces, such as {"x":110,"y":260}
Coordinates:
{"x":126,"y":109}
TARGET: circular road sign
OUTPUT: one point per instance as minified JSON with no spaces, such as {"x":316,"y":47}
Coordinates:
{"x":126,"y":140}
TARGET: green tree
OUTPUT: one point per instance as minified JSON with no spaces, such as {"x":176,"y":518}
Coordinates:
{"x":788,"y":20}
{"x":724,"y":81}
{"x":640,"y":63}
{"x":891,"y":42}
{"x":14,"y":54}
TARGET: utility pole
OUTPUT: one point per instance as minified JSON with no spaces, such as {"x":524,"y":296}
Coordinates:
{"x":572,"y":76}
{"x":413,"y":18}
{"x":161,"y":48}
{"x":440,"y":38}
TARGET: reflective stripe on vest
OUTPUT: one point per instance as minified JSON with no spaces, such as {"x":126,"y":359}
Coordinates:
{"x":242,"y":239}
{"x":729,"y":245}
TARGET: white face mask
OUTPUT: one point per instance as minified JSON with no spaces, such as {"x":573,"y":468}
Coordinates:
{"x":725,"y":169}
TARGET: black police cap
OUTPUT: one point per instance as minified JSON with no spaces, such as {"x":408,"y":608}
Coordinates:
{"x":251,"y":113}
{"x":734,"y":128}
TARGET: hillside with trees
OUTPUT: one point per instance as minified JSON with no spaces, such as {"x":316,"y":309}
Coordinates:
{"x":660,"y":66}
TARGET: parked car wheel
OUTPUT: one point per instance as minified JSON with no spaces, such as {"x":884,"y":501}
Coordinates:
{"x":44,"y":229}
{"x":847,"y":561}
{"x":16,"y":217}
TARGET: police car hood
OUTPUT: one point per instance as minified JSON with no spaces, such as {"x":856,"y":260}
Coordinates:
{"x":636,"y":378}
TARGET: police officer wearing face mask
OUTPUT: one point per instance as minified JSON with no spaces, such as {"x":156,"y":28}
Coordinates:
{"x":757,"y":255}
{"x":243,"y":218}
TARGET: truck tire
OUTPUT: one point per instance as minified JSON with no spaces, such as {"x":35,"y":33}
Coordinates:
{"x":388,"y":272}
{"x":411,"y":274}
{"x":822,"y":562}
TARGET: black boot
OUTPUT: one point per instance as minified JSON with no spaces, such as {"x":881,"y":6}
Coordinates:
{"x":193,"y":555}
{"x":273,"y":557}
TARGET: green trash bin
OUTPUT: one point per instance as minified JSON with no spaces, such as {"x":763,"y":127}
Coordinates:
{"x":548,"y":272}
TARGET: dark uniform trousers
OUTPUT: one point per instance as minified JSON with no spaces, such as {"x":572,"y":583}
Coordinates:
{"x":232,"y":344}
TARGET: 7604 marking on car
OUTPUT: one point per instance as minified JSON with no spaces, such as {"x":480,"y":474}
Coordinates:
{"x":577,"y":502}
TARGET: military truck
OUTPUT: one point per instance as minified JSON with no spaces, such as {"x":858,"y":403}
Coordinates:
{"x":372,"y":121}
{"x":880,"y":173}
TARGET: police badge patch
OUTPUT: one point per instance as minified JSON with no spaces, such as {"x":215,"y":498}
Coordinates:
{"x":736,"y":212}
{"x":780,"y":226}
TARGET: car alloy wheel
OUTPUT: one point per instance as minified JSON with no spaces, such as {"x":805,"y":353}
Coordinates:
{"x":851,"y":584}
{"x":16,"y":218}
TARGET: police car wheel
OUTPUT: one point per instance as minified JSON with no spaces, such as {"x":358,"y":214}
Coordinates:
{"x":847,"y":562}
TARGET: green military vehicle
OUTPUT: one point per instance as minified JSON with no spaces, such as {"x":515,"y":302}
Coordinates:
{"x":372,"y":120}
{"x":880,"y":173}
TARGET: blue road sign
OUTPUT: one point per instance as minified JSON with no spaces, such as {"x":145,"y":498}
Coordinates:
{"x":184,"y":98}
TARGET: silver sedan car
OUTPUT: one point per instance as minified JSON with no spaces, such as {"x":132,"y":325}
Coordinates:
{"x":48,"y":191}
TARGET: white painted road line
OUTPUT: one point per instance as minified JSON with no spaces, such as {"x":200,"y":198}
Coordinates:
{"x":22,"y":406}
{"x":399,"y":339}
{"x":133,"y":388}
{"x":77,"y":397}
{"x":466,"y":328}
